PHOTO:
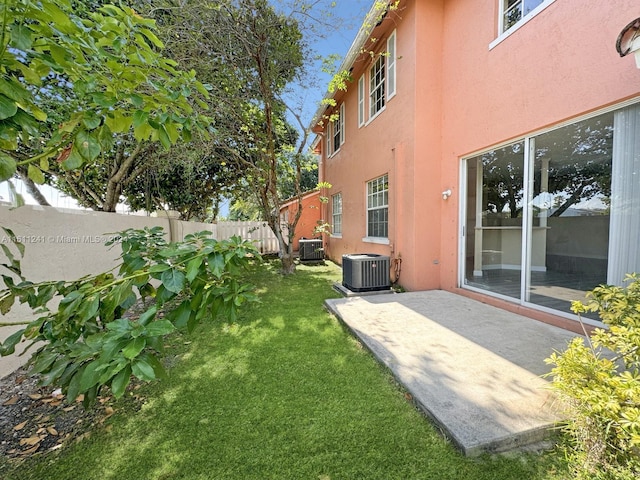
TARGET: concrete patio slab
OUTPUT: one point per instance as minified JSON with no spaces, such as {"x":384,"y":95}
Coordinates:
{"x":474,"y":369}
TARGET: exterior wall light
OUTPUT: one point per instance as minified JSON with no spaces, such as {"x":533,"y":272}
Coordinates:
{"x":629,"y":41}
{"x":446,"y":194}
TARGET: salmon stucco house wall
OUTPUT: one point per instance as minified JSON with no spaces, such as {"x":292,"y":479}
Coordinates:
{"x":491,"y":148}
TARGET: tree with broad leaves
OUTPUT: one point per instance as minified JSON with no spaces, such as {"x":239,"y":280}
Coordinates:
{"x":107,"y":66}
{"x":122,"y":84}
{"x":195,"y":184}
{"x":249,"y":53}
{"x":254,"y":53}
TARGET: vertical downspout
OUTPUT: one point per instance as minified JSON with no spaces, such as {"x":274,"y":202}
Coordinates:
{"x":395,"y":253}
{"x":324,"y":207}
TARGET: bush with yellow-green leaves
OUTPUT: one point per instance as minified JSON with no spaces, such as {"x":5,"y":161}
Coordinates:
{"x":599,"y":382}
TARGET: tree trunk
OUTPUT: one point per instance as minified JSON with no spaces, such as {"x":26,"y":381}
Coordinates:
{"x":574,"y":198}
{"x":123,"y":166}
{"x":33,"y":189}
{"x":288,"y":263}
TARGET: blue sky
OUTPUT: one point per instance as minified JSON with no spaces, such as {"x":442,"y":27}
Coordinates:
{"x":348,"y":16}
{"x":353,"y":13}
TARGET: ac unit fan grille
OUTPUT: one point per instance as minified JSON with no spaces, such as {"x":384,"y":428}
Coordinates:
{"x":365,"y":272}
{"x":311,"y":250}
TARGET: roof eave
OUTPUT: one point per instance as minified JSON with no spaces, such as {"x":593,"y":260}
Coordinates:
{"x":352,"y":54}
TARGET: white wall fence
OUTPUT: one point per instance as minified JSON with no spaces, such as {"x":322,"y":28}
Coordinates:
{"x":258,"y":232}
{"x":65,"y":244}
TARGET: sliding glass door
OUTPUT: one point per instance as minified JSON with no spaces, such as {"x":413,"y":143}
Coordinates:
{"x":554,"y":215}
{"x":495,"y":188}
{"x":571,"y":192}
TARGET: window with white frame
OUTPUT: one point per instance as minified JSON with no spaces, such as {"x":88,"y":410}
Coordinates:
{"x":376,"y":86}
{"x":381,"y":84}
{"x":336,"y":213}
{"x":361,"y":101}
{"x":391,"y":65}
{"x":335,"y":131}
{"x":513,"y":12}
{"x":378,"y":207}
{"x":578,"y":178}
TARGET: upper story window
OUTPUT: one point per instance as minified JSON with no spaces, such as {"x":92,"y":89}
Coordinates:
{"x":515,"y":12}
{"x":376,"y":86}
{"x":378,"y":207}
{"x":336,"y":213}
{"x":361,"y":101}
{"x":335,"y":131}
{"x":381,"y":84}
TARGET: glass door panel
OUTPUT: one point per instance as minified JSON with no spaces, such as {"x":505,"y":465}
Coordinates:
{"x":581,"y":224}
{"x":493,"y":241}
{"x":570,"y":211}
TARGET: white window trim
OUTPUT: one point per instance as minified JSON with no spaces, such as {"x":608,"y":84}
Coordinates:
{"x":368,"y":97}
{"x":369,"y":238}
{"x":329,"y":139}
{"x":383,"y":84}
{"x":333,"y":215}
{"x":503,"y":35}
{"x":331,"y":132}
{"x":390,"y":84}
{"x":378,"y":240}
{"x":462,"y":185}
{"x":336,"y":132}
{"x":341,"y":120}
{"x":361,"y":102}
{"x":391,"y":66}
{"x":375,"y":116}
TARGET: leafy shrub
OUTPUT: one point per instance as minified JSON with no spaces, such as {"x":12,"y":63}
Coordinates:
{"x":599,"y":382}
{"x":88,"y":343}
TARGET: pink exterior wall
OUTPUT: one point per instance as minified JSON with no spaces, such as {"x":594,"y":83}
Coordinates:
{"x":422,"y":269}
{"x":456,"y":96}
{"x":561,"y":64}
{"x":383,"y":146}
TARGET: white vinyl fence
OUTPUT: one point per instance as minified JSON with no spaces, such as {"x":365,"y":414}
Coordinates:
{"x":258,"y":232}
{"x":65,"y":244}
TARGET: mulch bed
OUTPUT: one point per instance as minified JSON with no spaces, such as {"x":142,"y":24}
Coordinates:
{"x":36,"y":419}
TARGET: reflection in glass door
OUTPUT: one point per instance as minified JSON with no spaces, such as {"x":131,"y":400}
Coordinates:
{"x":570,"y":207}
{"x":495,"y":189}
{"x":550,"y":218}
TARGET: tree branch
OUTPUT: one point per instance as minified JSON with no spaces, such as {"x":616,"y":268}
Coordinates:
{"x":114,"y":185}
{"x":32,"y":188}
{"x":85,"y":195}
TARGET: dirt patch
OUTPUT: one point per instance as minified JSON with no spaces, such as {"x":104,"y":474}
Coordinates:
{"x":36,"y":419}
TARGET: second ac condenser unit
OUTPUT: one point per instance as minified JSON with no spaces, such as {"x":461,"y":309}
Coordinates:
{"x":363,"y":272}
{"x":311,"y":250}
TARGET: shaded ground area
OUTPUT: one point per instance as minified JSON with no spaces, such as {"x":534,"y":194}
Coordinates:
{"x":37,"y":419}
{"x":282,"y":393}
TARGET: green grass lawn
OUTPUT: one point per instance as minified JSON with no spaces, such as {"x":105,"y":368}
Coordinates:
{"x":284,"y":393}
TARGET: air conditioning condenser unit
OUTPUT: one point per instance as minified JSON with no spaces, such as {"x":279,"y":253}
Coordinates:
{"x":311,"y":250}
{"x":365,"y":272}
